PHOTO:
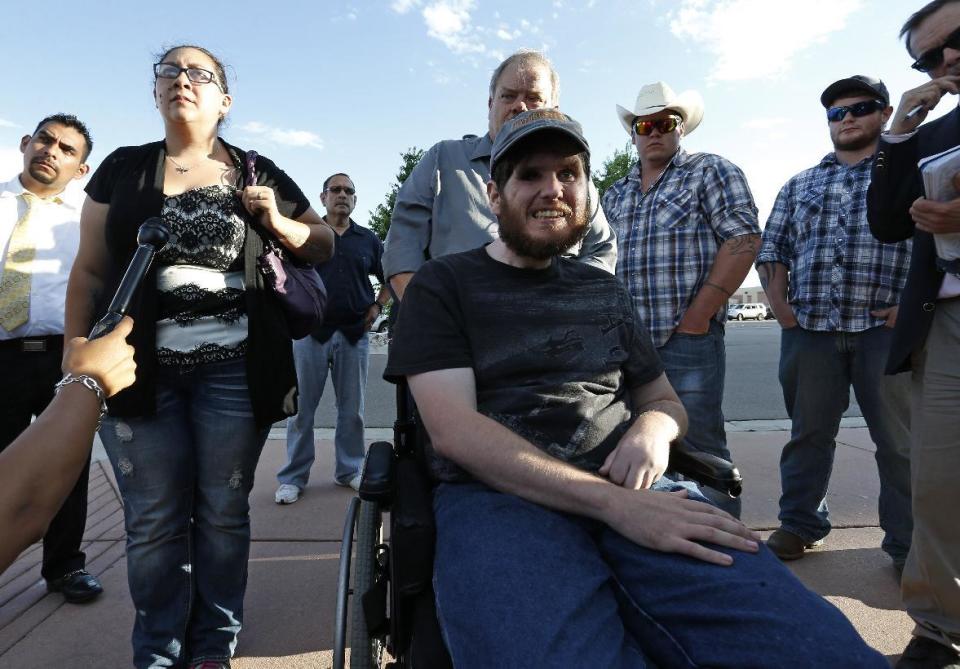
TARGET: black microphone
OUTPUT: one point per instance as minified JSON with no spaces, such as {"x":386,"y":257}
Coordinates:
{"x":151,"y":237}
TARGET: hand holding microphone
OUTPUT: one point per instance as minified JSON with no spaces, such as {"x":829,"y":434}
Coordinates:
{"x":151,"y":237}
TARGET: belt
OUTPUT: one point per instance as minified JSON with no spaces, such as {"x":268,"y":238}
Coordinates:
{"x":40,"y":344}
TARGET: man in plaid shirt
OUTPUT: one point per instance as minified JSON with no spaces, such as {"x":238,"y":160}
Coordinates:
{"x":687,"y":234}
{"x":834,"y":290}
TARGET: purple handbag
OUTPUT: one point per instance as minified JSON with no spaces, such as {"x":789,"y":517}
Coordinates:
{"x":297,"y":286}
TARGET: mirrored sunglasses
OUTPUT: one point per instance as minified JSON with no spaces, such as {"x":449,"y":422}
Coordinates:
{"x":865,"y":108}
{"x":662,"y":125}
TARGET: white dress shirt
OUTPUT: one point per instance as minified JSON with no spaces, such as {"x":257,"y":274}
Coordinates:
{"x":56,"y":225}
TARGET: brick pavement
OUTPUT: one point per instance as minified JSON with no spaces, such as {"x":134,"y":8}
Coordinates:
{"x":291,"y":593}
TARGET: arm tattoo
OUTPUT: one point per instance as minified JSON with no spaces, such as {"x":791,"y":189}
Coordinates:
{"x":742,"y":245}
{"x":768,"y":271}
{"x":763,"y":271}
{"x":717,"y":286}
{"x":312,"y":244}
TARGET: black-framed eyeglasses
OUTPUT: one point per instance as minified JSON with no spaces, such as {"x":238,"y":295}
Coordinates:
{"x":933,"y":58}
{"x":663,"y":125}
{"x":197,"y":75}
{"x":341,"y":189}
{"x":858,"y":109}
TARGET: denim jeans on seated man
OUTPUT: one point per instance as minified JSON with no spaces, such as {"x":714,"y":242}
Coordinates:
{"x":696,"y":366}
{"x":314,"y":360}
{"x":560,"y":590}
{"x":185,"y":476}
{"x":816,"y":372}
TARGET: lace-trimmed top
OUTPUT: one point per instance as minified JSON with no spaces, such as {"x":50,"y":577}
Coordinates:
{"x":202,"y":314}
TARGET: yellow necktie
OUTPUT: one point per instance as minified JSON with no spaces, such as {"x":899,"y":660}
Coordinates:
{"x":17,"y":271}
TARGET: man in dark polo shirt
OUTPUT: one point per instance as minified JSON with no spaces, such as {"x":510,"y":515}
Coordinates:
{"x":340,"y":345}
{"x":39,"y":234}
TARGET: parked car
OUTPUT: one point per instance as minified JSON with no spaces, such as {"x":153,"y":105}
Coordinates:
{"x":380,"y":323}
{"x":739,"y":312}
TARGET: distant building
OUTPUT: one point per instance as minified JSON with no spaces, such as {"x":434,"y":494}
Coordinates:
{"x":749,"y":295}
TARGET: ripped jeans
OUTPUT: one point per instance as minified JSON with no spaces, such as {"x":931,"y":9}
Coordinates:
{"x":185,"y":475}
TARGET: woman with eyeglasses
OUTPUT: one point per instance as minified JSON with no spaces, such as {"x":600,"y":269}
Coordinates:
{"x":215,"y":364}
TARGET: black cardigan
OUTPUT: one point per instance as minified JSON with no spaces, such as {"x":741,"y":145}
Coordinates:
{"x":130,"y":180}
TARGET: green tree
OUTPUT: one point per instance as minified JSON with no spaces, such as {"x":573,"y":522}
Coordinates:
{"x":380,"y":217}
{"x":615,"y":167}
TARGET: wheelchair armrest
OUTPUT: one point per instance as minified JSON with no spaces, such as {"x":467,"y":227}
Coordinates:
{"x":379,"y":472}
{"x":706,"y":469}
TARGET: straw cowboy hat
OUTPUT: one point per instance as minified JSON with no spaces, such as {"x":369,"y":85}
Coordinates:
{"x":653,"y":98}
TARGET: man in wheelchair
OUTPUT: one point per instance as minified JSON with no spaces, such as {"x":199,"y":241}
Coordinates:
{"x":559,"y":543}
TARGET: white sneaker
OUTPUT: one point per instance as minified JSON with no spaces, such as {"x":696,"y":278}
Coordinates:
{"x":287,"y":493}
{"x":353,"y":483}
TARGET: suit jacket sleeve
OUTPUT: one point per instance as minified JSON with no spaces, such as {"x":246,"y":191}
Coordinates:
{"x":894,"y":185}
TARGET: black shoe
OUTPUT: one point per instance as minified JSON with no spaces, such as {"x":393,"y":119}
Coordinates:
{"x":924,"y":653}
{"x":788,"y":546}
{"x":77,"y":586}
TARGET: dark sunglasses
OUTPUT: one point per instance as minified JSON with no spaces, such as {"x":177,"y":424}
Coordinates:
{"x":932,"y":59}
{"x":341,"y":189}
{"x":858,"y":109}
{"x":663,"y":125}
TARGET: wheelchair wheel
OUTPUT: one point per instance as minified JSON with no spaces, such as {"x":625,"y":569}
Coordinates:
{"x":366,"y":651}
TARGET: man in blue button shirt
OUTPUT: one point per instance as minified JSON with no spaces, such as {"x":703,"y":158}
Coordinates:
{"x":834,"y":290}
{"x":340,"y":345}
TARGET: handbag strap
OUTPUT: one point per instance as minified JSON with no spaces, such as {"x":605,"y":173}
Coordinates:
{"x":250,"y":179}
{"x":251,"y":165}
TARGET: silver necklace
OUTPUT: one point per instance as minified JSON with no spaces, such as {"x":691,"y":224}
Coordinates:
{"x":180,"y":168}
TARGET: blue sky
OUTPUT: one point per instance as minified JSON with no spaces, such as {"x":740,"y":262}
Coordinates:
{"x":323,"y":87}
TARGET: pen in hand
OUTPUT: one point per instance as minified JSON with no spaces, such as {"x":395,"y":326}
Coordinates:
{"x":913,"y":112}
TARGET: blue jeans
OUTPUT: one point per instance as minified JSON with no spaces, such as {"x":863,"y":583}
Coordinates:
{"x":185,"y":475}
{"x":519,"y":585}
{"x":816,"y":372}
{"x":349,"y":364}
{"x":695,"y":366}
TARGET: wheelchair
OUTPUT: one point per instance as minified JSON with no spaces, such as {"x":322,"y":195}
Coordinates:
{"x":385,"y":592}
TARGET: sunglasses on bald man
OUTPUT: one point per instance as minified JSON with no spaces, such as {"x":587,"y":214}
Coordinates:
{"x":662,"y":125}
{"x":858,"y":109}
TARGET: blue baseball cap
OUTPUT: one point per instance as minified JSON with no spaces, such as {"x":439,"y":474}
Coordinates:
{"x":530,"y":122}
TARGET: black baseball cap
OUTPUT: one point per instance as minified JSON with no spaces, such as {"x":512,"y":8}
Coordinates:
{"x":533,"y":121}
{"x":858,"y":83}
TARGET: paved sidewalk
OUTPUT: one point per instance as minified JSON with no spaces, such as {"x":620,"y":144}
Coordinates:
{"x":293,"y":565}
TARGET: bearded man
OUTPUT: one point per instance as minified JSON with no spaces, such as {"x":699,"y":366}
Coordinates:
{"x":550,"y":420}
